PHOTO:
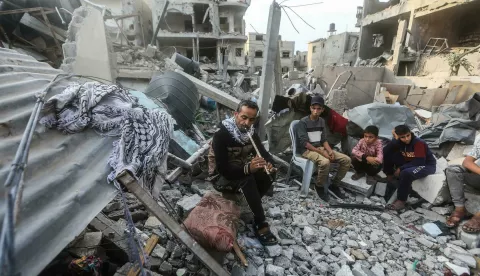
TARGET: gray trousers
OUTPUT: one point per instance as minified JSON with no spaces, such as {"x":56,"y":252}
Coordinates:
{"x":457,"y":176}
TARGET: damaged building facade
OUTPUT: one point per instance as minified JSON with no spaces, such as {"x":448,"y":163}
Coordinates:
{"x":300,"y":63}
{"x":210,"y":31}
{"x":255,"y":47}
{"x":418,"y":38}
{"x":336,"y":50}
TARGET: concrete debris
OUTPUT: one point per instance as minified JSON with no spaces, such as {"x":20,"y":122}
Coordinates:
{"x":88,"y":245}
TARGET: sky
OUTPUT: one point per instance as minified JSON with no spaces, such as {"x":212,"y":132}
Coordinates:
{"x":340,"y":12}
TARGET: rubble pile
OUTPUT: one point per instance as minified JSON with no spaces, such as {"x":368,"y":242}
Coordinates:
{"x":317,"y":240}
{"x":137,"y":58}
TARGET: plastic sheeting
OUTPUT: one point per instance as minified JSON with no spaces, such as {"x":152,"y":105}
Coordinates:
{"x":385,"y":116}
{"x":454,"y":123}
{"x":65,"y":179}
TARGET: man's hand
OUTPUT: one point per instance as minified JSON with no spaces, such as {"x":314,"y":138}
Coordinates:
{"x":372,"y":161}
{"x":395,"y":136}
{"x":256,"y":164}
{"x":397,"y":173}
{"x":331,"y":156}
{"x":271,"y":168}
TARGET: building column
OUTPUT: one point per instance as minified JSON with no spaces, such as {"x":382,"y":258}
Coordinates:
{"x":401,"y":31}
{"x":269,"y":57}
{"x":408,"y":38}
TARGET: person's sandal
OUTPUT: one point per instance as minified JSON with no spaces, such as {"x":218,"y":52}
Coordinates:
{"x":396,"y":206}
{"x":264,"y":235}
{"x":357,"y":176}
{"x":455,"y":218}
{"x":472,"y":226}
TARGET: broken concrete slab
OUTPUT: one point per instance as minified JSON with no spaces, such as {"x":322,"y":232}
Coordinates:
{"x":187,"y":203}
{"x":152,"y":223}
{"x":94,"y":55}
{"x":87,"y":246}
{"x":433,"y":188}
{"x":358,"y":186}
{"x":457,"y":270}
{"x":459,"y":151}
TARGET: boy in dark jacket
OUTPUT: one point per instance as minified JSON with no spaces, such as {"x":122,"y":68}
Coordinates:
{"x":407,"y":158}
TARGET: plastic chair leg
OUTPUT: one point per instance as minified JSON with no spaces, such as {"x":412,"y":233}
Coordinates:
{"x":289,"y":172}
{"x":307,"y":176}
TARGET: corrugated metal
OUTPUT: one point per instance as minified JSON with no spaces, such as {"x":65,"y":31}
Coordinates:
{"x":65,"y":180}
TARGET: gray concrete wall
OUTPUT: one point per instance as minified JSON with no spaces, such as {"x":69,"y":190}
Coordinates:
{"x":335,"y":50}
{"x":361,"y":87}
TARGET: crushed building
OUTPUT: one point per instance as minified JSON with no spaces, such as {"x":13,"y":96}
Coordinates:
{"x":418,"y":38}
{"x":212,"y":32}
{"x":336,"y":50}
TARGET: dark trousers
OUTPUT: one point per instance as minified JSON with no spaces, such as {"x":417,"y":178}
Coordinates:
{"x":364,"y":167}
{"x":392,"y":160}
{"x":253,"y":187}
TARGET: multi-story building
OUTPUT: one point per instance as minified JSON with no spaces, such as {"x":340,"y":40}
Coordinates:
{"x":336,"y":50}
{"x":405,"y":27}
{"x":300,"y":63}
{"x":255,"y":47}
{"x":204,"y":28}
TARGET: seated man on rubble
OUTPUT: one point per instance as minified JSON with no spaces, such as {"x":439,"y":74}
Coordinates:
{"x":407,"y":158}
{"x":312,"y":143}
{"x":457,"y":176}
{"x":367,"y":156}
{"x":233,"y":151}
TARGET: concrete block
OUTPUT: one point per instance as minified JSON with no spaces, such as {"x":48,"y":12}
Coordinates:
{"x":358,"y":186}
{"x":150,"y":51}
{"x":187,"y":203}
{"x":471,"y":240}
{"x":380,"y":188}
{"x":457,"y":270}
{"x":87,"y":245}
{"x":473,"y":202}
{"x":459,"y":151}
{"x":433,"y":188}
{"x":152,"y":223}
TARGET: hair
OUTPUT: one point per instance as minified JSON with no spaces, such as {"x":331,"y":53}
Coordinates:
{"x":249,"y":104}
{"x":372,"y":130}
{"x":402,"y":129}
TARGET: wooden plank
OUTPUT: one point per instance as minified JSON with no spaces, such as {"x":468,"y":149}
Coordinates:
{"x":213,"y":93}
{"x":151,"y":243}
{"x":239,"y":253}
{"x":152,"y":206}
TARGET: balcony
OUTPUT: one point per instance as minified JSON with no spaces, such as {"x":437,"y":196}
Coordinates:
{"x":235,"y":3}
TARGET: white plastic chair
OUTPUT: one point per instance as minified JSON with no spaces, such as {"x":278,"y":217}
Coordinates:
{"x":306,"y":165}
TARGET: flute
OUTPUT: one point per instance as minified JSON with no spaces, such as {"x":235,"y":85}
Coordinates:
{"x":259,"y":155}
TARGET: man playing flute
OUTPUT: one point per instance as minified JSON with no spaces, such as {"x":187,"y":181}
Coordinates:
{"x":239,"y":166}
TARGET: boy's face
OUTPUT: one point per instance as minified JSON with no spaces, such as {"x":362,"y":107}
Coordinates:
{"x":316,"y":109}
{"x":405,"y":138}
{"x":369,"y":138}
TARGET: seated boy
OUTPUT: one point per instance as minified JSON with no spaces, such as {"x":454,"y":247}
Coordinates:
{"x":408,"y":158}
{"x":367,"y":155}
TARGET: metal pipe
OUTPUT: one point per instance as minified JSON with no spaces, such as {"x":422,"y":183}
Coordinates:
{"x":341,"y":74}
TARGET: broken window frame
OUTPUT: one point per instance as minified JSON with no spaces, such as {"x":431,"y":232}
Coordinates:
{"x":285,"y":54}
{"x":285,"y":69}
{"x":238,"y":52}
{"x":258,"y":54}
{"x":259,"y":37}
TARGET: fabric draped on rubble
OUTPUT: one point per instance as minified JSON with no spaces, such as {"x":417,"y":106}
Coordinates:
{"x":385,"y":116}
{"x":111,"y":111}
{"x":213,"y":222}
{"x":454,"y":123}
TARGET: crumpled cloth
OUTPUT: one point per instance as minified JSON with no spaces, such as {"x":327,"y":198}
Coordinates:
{"x":144,"y":134}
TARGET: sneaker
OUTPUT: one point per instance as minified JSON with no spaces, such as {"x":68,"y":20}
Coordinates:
{"x":336,"y":190}
{"x":321,"y":192}
{"x":371,"y":180}
{"x":357,"y":176}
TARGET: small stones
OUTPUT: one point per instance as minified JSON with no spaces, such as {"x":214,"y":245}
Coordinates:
{"x":352,"y":244}
{"x":274,"y":250}
{"x":152,"y":223}
{"x":309,"y":235}
{"x":326,"y":250}
{"x":425,"y":242}
{"x":159,"y":252}
{"x":378,"y":270}
{"x":273,"y":270}
{"x":357,"y":254}
{"x":300,"y":252}
{"x":344,"y":271}
{"x":386,"y":216}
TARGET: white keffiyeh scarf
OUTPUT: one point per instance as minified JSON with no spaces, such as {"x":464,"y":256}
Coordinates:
{"x":110,"y":110}
{"x":239,"y":136}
